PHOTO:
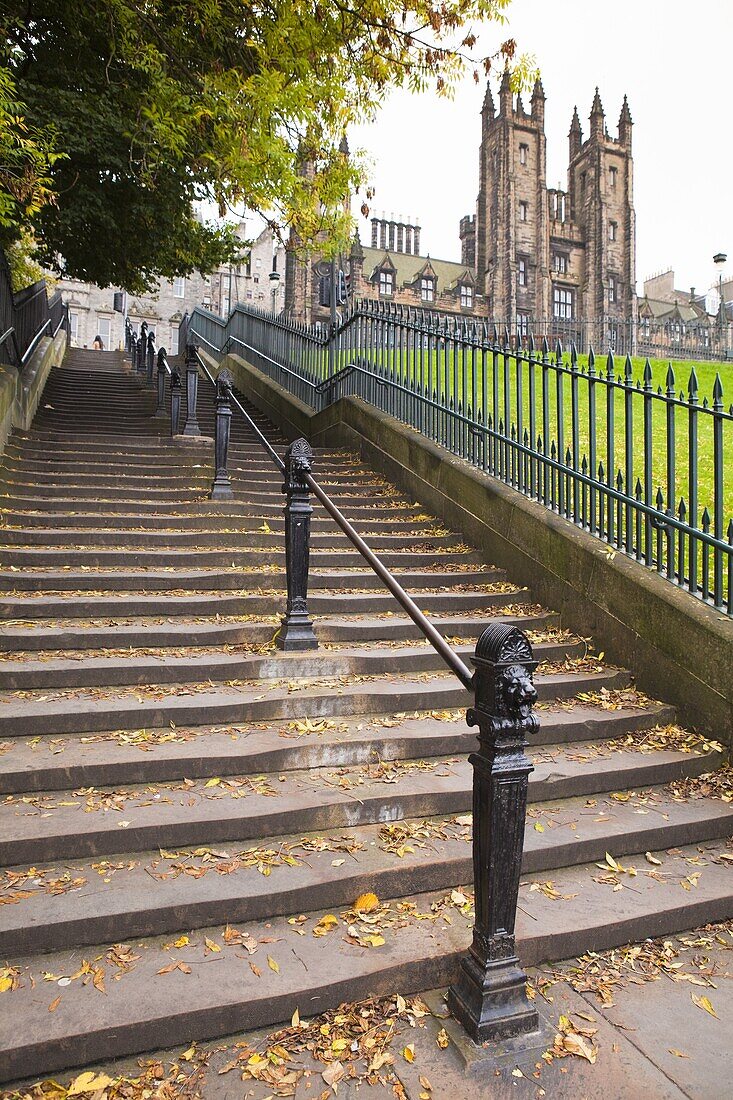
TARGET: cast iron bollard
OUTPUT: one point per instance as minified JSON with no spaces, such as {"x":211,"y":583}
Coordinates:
{"x":489,"y":997}
{"x":142,"y":348}
{"x":160,"y":407}
{"x":296,"y":629}
{"x":175,"y":399}
{"x":221,"y":488}
{"x":192,"y":389}
{"x":150,"y":357}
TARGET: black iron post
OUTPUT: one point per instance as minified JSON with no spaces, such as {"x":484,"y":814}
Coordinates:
{"x":296,"y":629}
{"x":142,"y":347}
{"x":150,"y":360}
{"x":192,"y":389}
{"x":176,"y":390}
{"x":221,"y":488}
{"x":489,"y":997}
{"x":160,"y":408}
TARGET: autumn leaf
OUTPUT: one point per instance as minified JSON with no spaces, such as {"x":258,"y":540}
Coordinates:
{"x":409,"y":1053}
{"x":539,"y":827}
{"x":88,"y":1082}
{"x":442,"y":1039}
{"x":188,"y":1054}
{"x":272,"y":964}
{"x":366,"y":903}
{"x":579,"y":1045}
{"x":255,"y":969}
{"x":704,"y":1003}
{"x":54,"y":1004}
{"x":295,"y":1022}
{"x":652,"y":859}
{"x":210,"y":945}
{"x":678,"y":1053}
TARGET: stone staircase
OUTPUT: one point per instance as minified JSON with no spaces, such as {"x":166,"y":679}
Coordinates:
{"x":189,"y":815}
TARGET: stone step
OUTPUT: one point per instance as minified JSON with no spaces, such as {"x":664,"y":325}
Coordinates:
{"x":241,"y":522}
{"x":217,"y":992}
{"x":321,"y":601}
{"x":200,"y":506}
{"x":157,"y":755}
{"x":51,"y":671}
{"x":33,"y":714}
{"x":325,"y":559}
{"x":217,"y":579}
{"x":240,"y":540}
{"x":43,"y":827}
{"x":123,"y":633}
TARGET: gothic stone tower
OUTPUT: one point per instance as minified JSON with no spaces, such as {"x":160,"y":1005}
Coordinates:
{"x":567,"y":255}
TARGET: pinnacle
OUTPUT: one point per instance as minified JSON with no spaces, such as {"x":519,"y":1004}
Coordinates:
{"x":597,"y":108}
{"x":538,"y":92}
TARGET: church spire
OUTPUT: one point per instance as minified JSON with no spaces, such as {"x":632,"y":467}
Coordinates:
{"x":597,"y":117}
{"x":538,"y":101}
{"x":505,"y":95}
{"x":624,"y":124}
{"x":487,"y":110}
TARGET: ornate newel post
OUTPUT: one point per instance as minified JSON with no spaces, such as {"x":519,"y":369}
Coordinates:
{"x":489,"y":997}
{"x":221,"y":488}
{"x":176,"y":390}
{"x":150,"y":357}
{"x":142,"y":348}
{"x":192,"y":389}
{"x":296,"y":629}
{"x":160,"y":407}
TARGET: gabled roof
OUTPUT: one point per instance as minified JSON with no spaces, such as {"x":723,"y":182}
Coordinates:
{"x":659,"y":310}
{"x":447,"y":274}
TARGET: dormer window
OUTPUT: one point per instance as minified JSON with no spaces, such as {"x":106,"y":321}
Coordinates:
{"x":427,"y":289}
{"x":466,"y":296}
{"x":523,"y":151}
{"x":386,"y":284}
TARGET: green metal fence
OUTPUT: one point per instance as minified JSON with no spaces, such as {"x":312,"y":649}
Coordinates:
{"x":615,"y":446}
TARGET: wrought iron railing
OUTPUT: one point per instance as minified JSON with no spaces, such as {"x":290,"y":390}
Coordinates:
{"x":28,"y":316}
{"x":612,"y":447}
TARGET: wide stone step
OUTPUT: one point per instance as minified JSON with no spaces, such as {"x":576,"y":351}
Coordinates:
{"x":67,"y":825}
{"x":158,"y":755}
{"x":92,"y":557}
{"x":266,"y":602}
{"x":232,"y":522}
{"x":241,"y":540}
{"x":83,"y":710}
{"x":218,"y":992}
{"x":228,"y":579}
{"x":49,"y":671}
{"x":146,"y":632}
{"x":200,"y":506}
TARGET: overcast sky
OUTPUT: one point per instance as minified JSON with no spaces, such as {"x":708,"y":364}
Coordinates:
{"x":672,"y":58}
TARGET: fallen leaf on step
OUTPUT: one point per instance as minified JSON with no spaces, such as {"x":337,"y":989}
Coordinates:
{"x":188,"y":1054}
{"x":704,"y":1003}
{"x":516,"y":1072}
{"x":325,"y":925}
{"x":255,"y":969}
{"x":579,"y":1045}
{"x":183,"y":967}
{"x":652,"y":859}
{"x":210,"y":945}
{"x":366,"y":903}
{"x":442,"y":1039}
{"x":54,"y":1004}
{"x":678,"y":1053}
{"x":272,"y":964}
{"x":88,"y":1082}
{"x":333,"y":1074}
{"x":409,"y":1052}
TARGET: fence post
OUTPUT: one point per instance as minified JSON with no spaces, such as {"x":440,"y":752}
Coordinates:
{"x":175,"y":398}
{"x":142,"y":347}
{"x":221,"y":488}
{"x":150,"y":360}
{"x":160,"y":408}
{"x":296,"y":629}
{"x":489,"y":996}
{"x":192,"y":388}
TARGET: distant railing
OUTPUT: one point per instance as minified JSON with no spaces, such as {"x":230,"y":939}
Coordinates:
{"x":615,"y":448}
{"x":28,"y":316}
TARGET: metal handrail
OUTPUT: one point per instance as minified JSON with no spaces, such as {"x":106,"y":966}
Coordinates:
{"x":436,"y":639}
{"x":31,"y":347}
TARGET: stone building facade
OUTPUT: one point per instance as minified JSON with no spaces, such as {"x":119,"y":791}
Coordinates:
{"x":92,"y":312}
{"x":529,"y":252}
{"x":546,"y":253}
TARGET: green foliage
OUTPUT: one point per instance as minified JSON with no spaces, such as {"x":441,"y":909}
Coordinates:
{"x":157,"y":103}
{"x":24,"y":268}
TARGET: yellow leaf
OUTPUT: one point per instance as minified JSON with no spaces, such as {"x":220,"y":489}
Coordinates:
{"x":373,"y":940}
{"x":704,"y":1003}
{"x":211,"y":945}
{"x":188,"y":1054}
{"x":442,"y":1039}
{"x":5,"y":984}
{"x":213,"y":782}
{"x":539,"y":827}
{"x":272,"y":964}
{"x":652,"y":859}
{"x":578,"y":1044}
{"x":409,"y":1052}
{"x":612,"y":863}
{"x":366,"y":903}
{"x":88,"y":1082}
{"x":678,"y":1053}
{"x":295,"y":1022}
{"x":182,"y":941}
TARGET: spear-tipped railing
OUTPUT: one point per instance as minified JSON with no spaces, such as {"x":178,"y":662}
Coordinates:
{"x":618,"y":449}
